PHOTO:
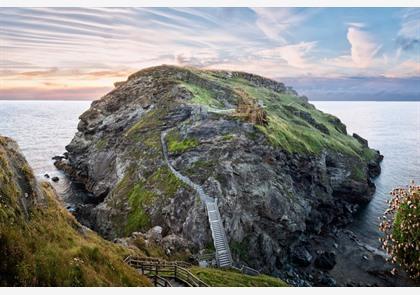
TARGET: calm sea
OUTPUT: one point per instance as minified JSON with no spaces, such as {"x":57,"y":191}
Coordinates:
{"x":394,"y":129}
{"x":43,"y":128}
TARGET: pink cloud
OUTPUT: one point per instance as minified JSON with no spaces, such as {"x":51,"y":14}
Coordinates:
{"x":82,"y":93}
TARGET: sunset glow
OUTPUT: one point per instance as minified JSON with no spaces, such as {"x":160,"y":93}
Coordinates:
{"x":78,"y":53}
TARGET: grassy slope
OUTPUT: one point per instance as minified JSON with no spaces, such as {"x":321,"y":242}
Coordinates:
{"x":285,"y":129}
{"x":48,"y":247}
{"x":229,"y":278}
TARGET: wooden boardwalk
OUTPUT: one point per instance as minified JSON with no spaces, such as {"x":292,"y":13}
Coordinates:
{"x":165,"y":273}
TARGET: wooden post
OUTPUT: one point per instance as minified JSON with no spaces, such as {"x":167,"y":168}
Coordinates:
{"x":175,"y":271}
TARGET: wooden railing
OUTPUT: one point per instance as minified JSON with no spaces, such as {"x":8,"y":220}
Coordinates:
{"x":205,"y":257}
{"x":161,"y":282}
{"x":152,"y":260}
{"x":165,"y":269}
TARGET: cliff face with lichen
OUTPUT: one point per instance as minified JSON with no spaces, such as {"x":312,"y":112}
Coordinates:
{"x":276,"y":183}
{"x":41,"y":244}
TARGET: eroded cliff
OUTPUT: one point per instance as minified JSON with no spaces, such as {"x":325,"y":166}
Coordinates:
{"x":277,"y":182}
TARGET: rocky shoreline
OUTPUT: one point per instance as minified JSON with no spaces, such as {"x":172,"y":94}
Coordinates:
{"x":283,"y":210}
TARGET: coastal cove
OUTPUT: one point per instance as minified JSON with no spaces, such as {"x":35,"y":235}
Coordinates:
{"x":388,"y":126}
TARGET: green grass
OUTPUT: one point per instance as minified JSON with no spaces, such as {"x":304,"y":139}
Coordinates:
{"x":228,"y":137}
{"x":101,"y":144}
{"x":49,"y":247}
{"x":147,"y":122}
{"x":165,"y":182}
{"x":286,"y":129}
{"x":178,"y":145}
{"x":202,"y":96}
{"x":160,"y":185}
{"x":230,"y":278}
{"x":137,"y":199}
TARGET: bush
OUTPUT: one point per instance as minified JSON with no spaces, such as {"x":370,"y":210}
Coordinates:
{"x":401,"y":225}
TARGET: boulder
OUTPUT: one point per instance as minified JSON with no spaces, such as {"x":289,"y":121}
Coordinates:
{"x":154,"y":234}
{"x":360,"y":139}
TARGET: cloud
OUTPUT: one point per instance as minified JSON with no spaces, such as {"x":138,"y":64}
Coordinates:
{"x":363,"y":48}
{"x":295,"y":55}
{"x":409,"y":33}
{"x":276,"y":23}
{"x":202,"y":58}
{"x":29,"y":93}
{"x":408,"y":68}
{"x":78,"y":48}
{"x":360,"y":88}
{"x":363,"y":51}
{"x":356,"y":25}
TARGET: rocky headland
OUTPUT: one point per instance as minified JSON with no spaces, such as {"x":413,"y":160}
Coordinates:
{"x":286,"y":181}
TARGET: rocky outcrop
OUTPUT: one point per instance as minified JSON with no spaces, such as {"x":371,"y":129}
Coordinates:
{"x":276,"y":185}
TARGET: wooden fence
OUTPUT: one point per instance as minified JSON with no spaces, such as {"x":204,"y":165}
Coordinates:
{"x":158,"y":269}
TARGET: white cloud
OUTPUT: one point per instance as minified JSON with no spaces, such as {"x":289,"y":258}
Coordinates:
{"x":295,"y":54}
{"x":276,"y":23}
{"x":98,"y":46}
{"x":356,"y":25}
{"x":408,"y":68}
{"x":363,"y":48}
{"x":409,"y":34}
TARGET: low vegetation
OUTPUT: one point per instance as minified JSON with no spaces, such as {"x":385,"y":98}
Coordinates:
{"x":178,"y":145}
{"x":101,"y":144}
{"x":41,"y":244}
{"x":401,"y":225}
{"x":202,"y":96}
{"x":231,"y":278}
{"x":293,"y":124}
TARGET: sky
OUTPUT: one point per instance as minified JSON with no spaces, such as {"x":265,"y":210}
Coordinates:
{"x":78,"y":53}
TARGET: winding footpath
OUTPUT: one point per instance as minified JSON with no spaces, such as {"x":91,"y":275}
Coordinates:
{"x":223,"y":255}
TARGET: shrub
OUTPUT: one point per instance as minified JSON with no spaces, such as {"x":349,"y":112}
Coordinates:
{"x":401,"y":225}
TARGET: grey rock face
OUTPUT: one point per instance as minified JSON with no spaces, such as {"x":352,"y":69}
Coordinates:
{"x":270,"y":200}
